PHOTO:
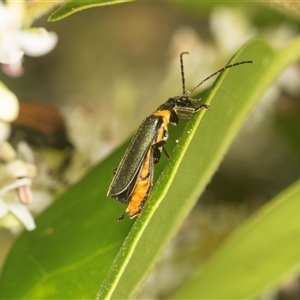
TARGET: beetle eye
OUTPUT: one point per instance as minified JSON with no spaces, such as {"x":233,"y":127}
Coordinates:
{"x":181,"y":101}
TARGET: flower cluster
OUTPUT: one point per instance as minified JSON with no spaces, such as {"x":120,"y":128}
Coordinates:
{"x":16,"y":173}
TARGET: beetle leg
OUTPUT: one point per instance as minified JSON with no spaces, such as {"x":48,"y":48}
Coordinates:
{"x":121,"y":217}
{"x":206,"y":106}
{"x":166,"y":153}
{"x":185,"y":116}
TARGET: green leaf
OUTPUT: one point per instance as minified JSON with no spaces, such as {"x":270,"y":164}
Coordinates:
{"x":76,"y":240}
{"x":73,"y":6}
{"x":262,"y":253}
{"x":234,"y":95}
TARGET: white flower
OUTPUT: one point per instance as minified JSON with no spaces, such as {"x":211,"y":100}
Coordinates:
{"x":7,"y":152}
{"x":20,"y":211}
{"x":15,"y":41}
{"x":9,"y":104}
{"x":37,"y":41}
{"x":16,"y":195}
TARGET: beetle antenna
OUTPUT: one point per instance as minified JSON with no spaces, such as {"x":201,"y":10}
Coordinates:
{"x":182,"y":72}
{"x":219,"y":71}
